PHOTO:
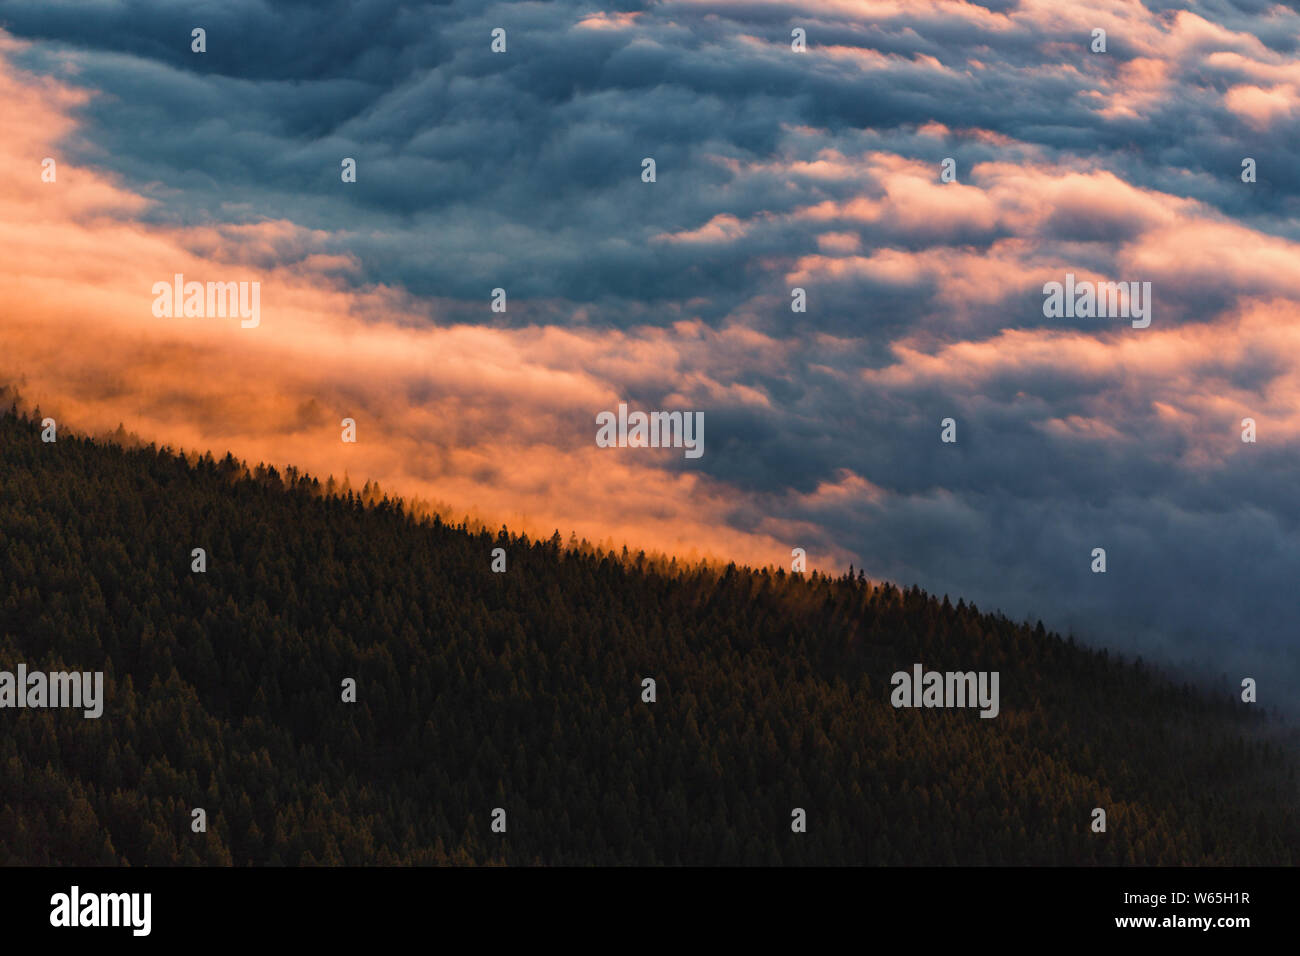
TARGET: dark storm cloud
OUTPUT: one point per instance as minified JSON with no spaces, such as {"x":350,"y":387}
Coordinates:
{"x":552,"y":132}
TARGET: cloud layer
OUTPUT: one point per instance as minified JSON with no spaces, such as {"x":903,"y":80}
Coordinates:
{"x":775,"y":170}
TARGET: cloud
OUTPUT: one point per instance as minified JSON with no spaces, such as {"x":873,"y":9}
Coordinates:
{"x":776,"y":169}
{"x":1262,"y":107}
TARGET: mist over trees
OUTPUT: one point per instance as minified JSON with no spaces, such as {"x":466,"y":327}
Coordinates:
{"x":523,"y":691}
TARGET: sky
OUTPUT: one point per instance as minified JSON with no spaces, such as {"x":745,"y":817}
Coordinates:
{"x":775,"y":169}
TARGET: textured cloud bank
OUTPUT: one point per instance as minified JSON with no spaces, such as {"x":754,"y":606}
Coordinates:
{"x":776,"y":169}
{"x":499,"y":419}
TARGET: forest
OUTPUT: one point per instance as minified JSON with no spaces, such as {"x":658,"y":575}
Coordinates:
{"x":523,"y":691}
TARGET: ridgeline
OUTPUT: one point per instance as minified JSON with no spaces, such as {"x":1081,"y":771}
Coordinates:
{"x":522,"y":690}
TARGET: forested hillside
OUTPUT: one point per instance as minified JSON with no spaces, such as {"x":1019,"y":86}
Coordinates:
{"x":522,"y":690}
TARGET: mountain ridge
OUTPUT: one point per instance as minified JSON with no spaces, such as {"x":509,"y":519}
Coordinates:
{"x":522,"y":691}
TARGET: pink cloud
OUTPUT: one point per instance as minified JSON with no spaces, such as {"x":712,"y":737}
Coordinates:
{"x":496,"y":422}
{"x":1263,"y":107}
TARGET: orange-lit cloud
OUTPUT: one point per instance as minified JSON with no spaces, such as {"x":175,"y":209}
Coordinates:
{"x":777,"y":170}
{"x":496,"y":422}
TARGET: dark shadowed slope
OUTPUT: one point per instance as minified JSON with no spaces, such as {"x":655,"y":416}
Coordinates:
{"x":522,"y":691}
